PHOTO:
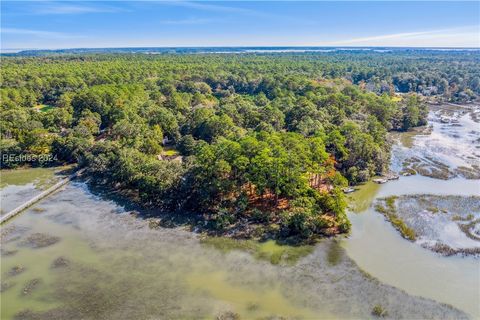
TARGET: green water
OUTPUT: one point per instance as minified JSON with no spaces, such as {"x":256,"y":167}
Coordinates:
{"x":268,"y":250}
{"x":403,"y":264}
{"x":164,"y":274}
{"x":120,"y":268}
{"x":18,"y":185}
{"x":37,"y":263}
{"x":40,"y":177}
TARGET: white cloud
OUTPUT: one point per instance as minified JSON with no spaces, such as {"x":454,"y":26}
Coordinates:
{"x":46,"y":8}
{"x":229,"y":9}
{"x":38,"y":33}
{"x":210,"y":7}
{"x":454,"y":37}
{"x":186,"y":21}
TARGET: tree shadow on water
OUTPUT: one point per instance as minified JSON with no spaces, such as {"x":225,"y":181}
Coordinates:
{"x":157,"y":216}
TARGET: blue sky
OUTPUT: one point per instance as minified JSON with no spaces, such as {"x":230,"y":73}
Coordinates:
{"x":73,"y":24}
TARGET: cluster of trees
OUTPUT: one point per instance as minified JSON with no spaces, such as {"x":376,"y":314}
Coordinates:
{"x":270,"y":141}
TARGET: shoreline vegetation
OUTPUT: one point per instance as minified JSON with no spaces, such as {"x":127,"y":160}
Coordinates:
{"x":447,"y":225}
{"x":255,"y":146}
{"x":386,"y":206}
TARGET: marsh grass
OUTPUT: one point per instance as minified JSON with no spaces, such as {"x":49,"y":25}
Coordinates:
{"x":386,"y":206}
{"x":433,"y":210}
{"x":458,"y":217}
{"x":379,"y":311}
{"x":467,"y":229}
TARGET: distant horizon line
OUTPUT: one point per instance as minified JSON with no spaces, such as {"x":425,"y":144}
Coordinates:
{"x":240,"y":47}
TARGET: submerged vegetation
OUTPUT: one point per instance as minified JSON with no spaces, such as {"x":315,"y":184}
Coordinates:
{"x":237,"y":139}
{"x":121,"y":267}
{"x":268,"y":250}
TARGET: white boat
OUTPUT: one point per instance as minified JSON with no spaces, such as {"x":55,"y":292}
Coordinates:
{"x":409,"y":172}
{"x":393,"y":177}
{"x":380,"y":180}
{"x":348,"y":190}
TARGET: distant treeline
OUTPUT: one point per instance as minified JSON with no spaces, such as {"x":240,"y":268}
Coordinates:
{"x":452,"y":74}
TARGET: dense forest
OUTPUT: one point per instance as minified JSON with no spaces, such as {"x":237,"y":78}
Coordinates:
{"x":269,"y":139}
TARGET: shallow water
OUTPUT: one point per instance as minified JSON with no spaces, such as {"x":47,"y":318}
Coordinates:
{"x":450,"y":143}
{"x":438,"y":221}
{"x":111,"y":252}
{"x":18,"y":185}
{"x":380,"y":250}
{"x":120,"y":268}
